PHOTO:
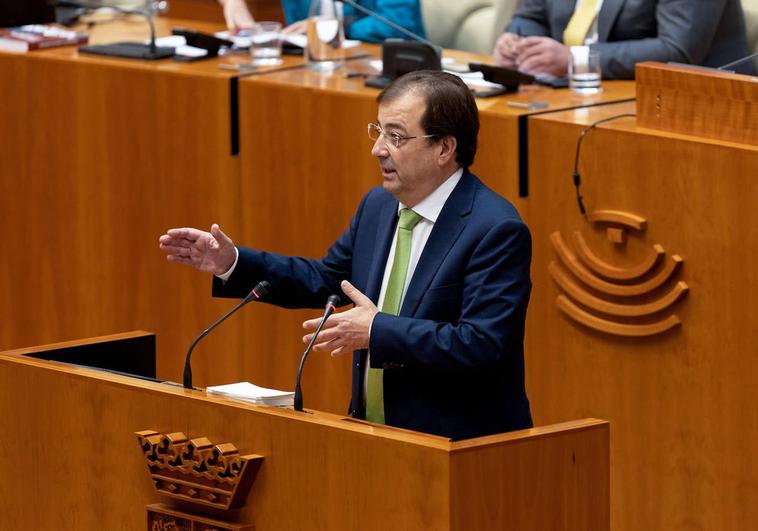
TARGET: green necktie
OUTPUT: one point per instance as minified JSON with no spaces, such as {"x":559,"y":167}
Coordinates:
{"x":391,"y":305}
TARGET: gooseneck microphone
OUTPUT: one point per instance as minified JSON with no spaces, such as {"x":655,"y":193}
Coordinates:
{"x":258,"y":292}
{"x":331,"y":306}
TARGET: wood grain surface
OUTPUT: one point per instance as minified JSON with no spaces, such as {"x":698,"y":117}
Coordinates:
{"x":681,"y":403}
{"x":79,"y":454}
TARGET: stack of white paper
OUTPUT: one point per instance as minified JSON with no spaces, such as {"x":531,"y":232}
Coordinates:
{"x":253,"y":394}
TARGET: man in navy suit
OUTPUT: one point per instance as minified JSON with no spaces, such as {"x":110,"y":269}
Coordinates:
{"x":701,"y":32}
{"x":447,"y":356}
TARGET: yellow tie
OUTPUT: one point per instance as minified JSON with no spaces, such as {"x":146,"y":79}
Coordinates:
{"x":580,"y":23}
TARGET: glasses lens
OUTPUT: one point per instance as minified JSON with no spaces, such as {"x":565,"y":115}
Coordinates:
{"x":373,"y":131}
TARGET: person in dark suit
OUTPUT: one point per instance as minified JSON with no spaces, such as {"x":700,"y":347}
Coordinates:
{"x":708,"y":33}
{"x":435,"y":263}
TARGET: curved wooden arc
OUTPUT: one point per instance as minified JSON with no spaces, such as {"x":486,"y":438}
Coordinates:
{"x":574,"y":265}
{"x":607,"y":270}
{"x":574,"y":291}
{"x":618,"y":217}
{"x":610,"y":327}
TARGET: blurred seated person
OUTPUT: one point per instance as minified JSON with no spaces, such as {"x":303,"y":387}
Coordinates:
{"x":701,"y":32}
{"x":405,"y":13}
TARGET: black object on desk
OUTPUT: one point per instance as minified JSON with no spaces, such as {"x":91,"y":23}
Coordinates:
{"x":131,"y":50}
{"x":510,"y":79}
{"x":400,"y":57}
{"x":208,"y":42}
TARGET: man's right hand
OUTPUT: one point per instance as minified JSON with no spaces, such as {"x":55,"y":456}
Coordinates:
{"x":505,"y":50}
{"x":212,"y":251}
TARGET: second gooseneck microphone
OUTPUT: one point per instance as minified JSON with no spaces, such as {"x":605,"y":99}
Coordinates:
{"x":331,"y":306}
{"x":260,"y":290}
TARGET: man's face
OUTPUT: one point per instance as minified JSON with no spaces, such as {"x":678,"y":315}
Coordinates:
{"x":410,"y":171}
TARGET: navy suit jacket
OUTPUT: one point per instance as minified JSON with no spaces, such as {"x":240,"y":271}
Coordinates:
{"x":453,"y":358}
{"x":701,"y":32}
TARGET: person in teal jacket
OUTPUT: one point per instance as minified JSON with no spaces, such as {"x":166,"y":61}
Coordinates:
{"x":405,"y":13}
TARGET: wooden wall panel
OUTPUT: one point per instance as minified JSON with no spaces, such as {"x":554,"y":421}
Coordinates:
{"x":211,"y":11}
{"x":104,"y":160}
{"x":681,"y":404}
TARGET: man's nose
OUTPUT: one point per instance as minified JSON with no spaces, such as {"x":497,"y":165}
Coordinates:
{"x":379,"y":149}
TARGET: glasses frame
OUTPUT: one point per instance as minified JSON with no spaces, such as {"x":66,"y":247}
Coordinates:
{"x":395,"y":139}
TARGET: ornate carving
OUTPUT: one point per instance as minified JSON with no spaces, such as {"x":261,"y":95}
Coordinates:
{"x":163,"y":518}
{"x":625,"y":301}
{"x":196,"y":470}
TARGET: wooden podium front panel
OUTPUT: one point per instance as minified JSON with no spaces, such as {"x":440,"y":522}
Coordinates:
{"x":71,"y":460}
{"x":681,"y":403}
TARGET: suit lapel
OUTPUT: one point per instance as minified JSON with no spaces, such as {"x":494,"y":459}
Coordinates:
{"x":385,"y":230}
{"x":607,"y":18}
{"x":450,"y":223}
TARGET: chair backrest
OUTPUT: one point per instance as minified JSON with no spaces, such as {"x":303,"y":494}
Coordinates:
{"x":471,"y":25}
{"x":750,"y":8}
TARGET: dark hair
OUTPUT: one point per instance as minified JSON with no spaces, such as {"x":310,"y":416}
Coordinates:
{"x":450,"y":108}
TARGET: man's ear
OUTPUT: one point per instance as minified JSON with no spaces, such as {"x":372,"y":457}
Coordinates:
{"x":448,"y":147}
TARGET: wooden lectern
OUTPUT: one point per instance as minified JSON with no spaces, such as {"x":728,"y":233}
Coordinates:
{"x":70,"y":459}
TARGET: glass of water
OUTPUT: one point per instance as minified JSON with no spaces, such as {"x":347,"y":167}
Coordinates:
{"x":326,"y":34}
{"x":266,"y":43}
{"x":584,"y":70}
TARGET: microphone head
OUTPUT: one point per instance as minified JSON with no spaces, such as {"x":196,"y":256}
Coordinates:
{"x":260,"y":290}
{"x":334,"y":300}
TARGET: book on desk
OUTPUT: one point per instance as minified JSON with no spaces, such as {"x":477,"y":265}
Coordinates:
{"x":38,"y":37}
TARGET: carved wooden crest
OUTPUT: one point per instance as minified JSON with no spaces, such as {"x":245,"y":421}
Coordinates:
{"x":196,"y":470}
{"x":624,"y":301}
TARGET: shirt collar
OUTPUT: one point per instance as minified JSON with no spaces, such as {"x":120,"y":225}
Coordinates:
{"x":430,"y":207}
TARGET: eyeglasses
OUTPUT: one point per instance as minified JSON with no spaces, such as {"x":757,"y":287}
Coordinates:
{"x":395,"y":139}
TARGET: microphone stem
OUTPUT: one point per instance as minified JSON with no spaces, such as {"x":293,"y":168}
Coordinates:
{"x":298,"y":400}
{"x":187,"y":365}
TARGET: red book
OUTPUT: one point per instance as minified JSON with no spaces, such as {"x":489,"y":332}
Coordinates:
{"x":37,"y":37}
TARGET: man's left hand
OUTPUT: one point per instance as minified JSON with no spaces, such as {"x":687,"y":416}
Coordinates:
{"x":346,"y":331}
{"x":542,"y":55}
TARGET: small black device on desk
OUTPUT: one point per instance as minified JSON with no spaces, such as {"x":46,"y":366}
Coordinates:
{"x":197,"y":39}
{"x":508,"y":78}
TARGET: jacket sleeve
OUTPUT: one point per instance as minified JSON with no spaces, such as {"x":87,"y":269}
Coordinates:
{"x":685,"y":31}
{"x":296,"y":282}
{"x":530,"y":19}
{"x":496,"y":289}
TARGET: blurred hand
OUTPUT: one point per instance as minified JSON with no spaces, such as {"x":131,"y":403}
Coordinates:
{"x":347,"y":331}
{"x":212,"y":252}
{"x":301,"y":26}
{"x":542,"y":55}
{"x":236,"y":14}
{"x":505,"y":50}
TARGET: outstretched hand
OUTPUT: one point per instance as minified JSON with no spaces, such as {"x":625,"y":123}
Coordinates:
{"x":346,"y":331}
{"x":212,"y":251}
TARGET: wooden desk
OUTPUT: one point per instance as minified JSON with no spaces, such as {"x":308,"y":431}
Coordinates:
{"x":70,"y":460}
{"x":681,"y":403}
